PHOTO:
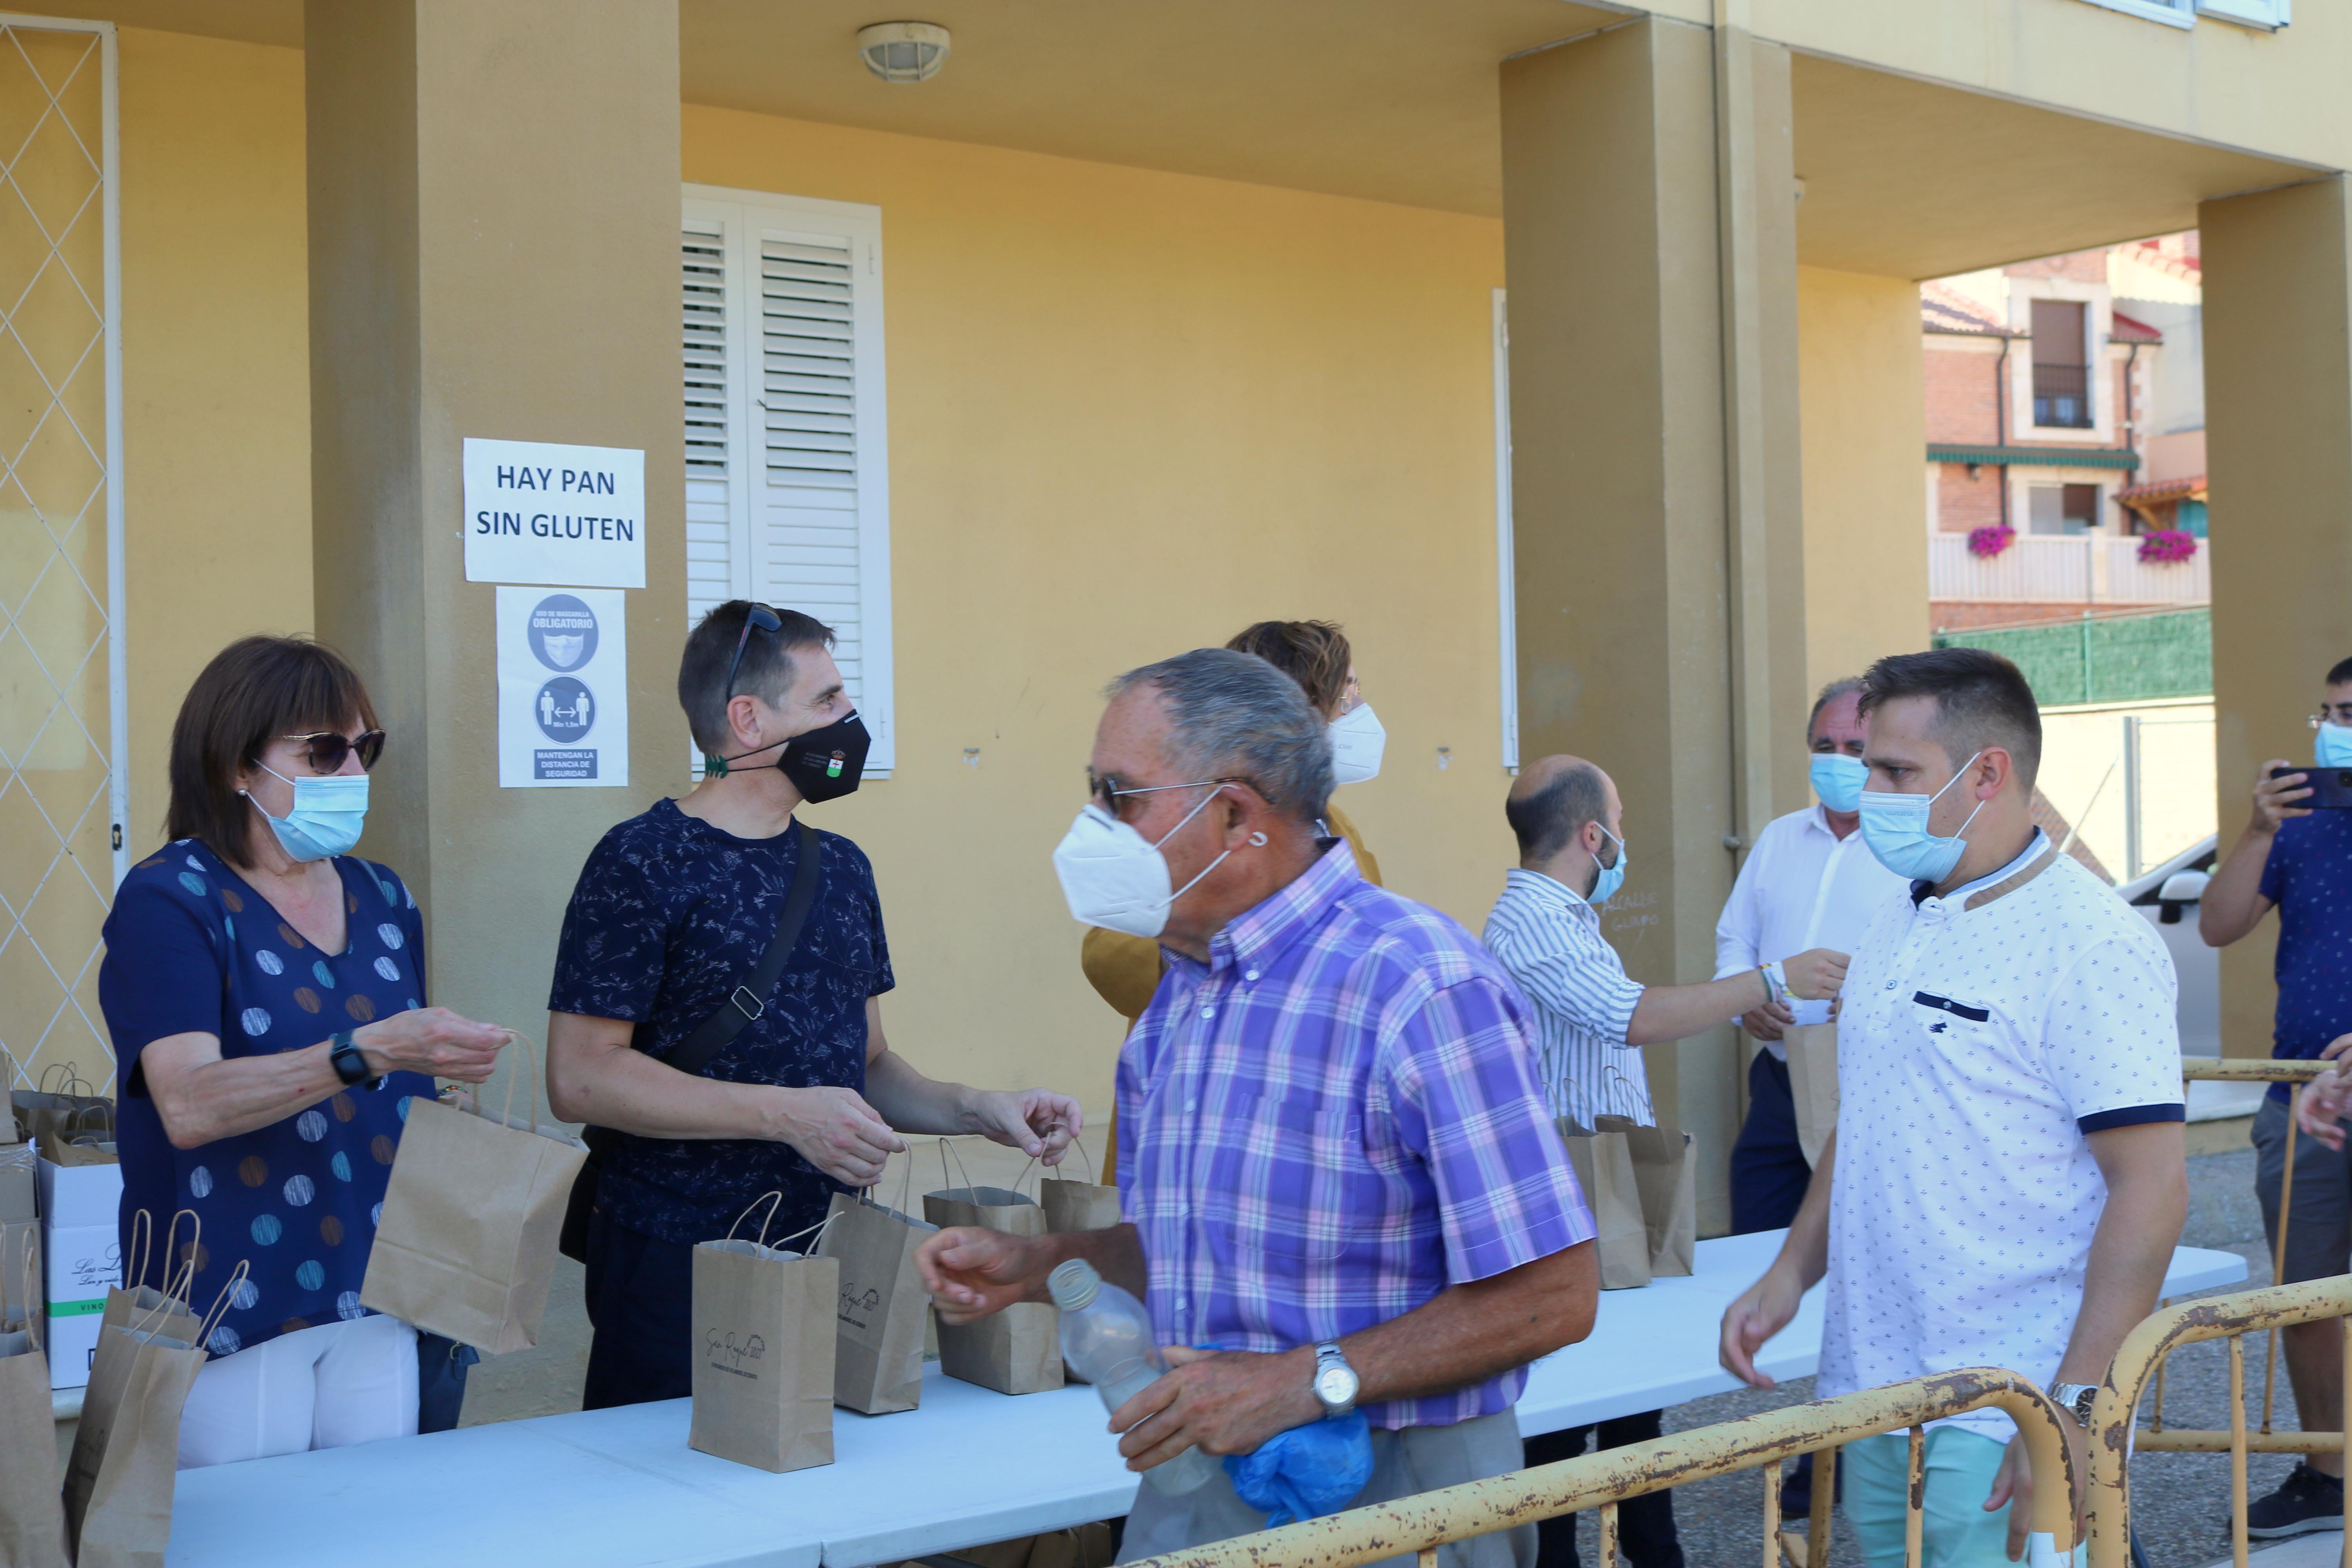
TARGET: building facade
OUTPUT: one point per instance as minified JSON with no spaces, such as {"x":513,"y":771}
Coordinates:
{"x":1130,"y":327}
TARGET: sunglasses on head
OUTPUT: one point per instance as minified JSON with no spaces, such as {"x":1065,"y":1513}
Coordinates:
{"x":766,"y":620}
{"x":327,"y":749}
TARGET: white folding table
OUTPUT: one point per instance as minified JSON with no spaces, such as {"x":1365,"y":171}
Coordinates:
{"x":617,"y":1488}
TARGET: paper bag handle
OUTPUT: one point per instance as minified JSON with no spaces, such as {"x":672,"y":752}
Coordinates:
{"x":945,"y":1150}
{"x":774,"y":1200}
{"x":810,"y":1250}
{"x":142,"y":1242}
{"x":221,"y":1302}
{"x":506,"y":1111}
{"x":170,"y":1245}
{"x":33,"y":1319}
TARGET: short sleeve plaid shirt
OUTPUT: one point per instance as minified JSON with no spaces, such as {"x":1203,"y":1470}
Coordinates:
{"x":1330,"y":1121}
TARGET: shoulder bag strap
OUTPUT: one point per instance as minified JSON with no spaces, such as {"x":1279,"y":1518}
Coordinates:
{"x":749,"y":1000}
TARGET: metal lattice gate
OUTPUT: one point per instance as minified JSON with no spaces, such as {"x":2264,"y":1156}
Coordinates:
{"x":63,"y":799}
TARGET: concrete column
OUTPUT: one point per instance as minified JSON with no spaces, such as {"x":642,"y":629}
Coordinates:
{"x":1657,"y":529}
{"x":2278,"y":439}
{"x":493,"y":233}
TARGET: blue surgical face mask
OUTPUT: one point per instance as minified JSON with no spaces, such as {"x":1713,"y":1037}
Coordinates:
{"x":1838,"y":780}
{"x":329,"y":811}
{"x":1895,"y":828}
{"x":1611,"y":878}
{"x":2331,"y":747}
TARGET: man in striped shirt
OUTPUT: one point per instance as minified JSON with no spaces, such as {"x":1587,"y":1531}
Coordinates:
{"x":1591,"y":1018}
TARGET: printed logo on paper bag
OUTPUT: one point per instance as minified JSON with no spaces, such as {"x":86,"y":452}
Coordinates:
{"x":728,"y":1355}
{"x":855,"y":1301}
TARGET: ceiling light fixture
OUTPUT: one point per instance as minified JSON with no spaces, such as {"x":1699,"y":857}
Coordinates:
{"x":903,"y":51}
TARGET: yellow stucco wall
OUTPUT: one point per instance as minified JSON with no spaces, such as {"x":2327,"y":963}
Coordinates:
{"x":1865,"y":429}
{"x":1130,"y":413}
{"x":216,"y":384}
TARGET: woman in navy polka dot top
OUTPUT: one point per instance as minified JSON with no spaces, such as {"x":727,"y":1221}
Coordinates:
{"x":265,"y":998}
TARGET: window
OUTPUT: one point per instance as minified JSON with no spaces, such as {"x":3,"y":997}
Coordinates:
{"x":787,"y":470}
{"x":2062,"y":371}
{"x":2174,"y":13}
{"x":2064,"y":508}
{"x":2271,"y":14}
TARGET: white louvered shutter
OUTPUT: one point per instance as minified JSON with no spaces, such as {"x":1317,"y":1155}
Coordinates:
{"x":786,"y":427}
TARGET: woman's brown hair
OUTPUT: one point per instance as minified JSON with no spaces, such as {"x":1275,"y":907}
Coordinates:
{"x":1313,"y":653}
{"x":254,"y":691}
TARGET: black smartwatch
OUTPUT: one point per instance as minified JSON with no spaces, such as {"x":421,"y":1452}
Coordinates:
{"x":349,"y":1061}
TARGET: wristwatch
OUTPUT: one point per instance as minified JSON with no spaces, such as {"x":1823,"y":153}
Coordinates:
{"x":2075,"y":1398}
{"x":349,"y":1061}
{"x":1335,"y":1380}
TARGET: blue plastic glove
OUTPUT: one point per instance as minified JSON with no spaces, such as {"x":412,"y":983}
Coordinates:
{"x":1305,"y":1472}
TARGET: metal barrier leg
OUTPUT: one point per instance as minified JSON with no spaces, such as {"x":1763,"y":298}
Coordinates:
{"x":1817,"y":1524}
{"x":1772,"y":1515}
{"x":2278,"y":1249}
{"x":2162,"y":1303}
{"x":1914,"y":1505}
{"x":1608,"y":1535}
{"x":2238,"y":1450}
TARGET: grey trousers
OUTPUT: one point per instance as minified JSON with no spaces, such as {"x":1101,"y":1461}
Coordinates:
{"x":1416,"y":1459}
{"x":2319,"y":1236}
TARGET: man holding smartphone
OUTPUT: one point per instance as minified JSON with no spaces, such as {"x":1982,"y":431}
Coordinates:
{"x":2300,"y":860}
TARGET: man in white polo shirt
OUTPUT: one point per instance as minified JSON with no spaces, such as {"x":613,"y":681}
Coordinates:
{"x":2006,"y":1184}
{"x":1807,"y":882}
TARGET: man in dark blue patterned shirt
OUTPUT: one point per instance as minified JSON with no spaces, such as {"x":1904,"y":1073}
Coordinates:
{"x":672,"y":912}
{"x":2300,"y":860}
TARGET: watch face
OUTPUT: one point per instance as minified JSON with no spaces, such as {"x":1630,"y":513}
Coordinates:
{"x":1335,"y":1384}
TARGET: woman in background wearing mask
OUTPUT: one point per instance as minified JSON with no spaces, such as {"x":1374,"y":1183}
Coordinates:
{"x":265,"y":997}
{"x":1125,"y":969}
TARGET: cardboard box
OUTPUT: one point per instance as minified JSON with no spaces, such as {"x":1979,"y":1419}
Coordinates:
{"x":85,"y":1190}
{"x":82,"y":1263}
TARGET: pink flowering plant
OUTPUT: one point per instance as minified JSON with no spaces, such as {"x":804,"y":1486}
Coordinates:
{"x":1991,"y":539}
{"x":2166,"y":544}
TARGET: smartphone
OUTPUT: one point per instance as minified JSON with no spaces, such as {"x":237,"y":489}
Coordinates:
{"x":2331,"y":788}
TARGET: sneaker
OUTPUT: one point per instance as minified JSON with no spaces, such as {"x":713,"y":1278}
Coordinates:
{"x":2306,"y":1501}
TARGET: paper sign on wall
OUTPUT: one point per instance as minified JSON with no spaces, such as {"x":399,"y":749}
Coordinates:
{"x":540,"y":512}
{"x":563,"y":688}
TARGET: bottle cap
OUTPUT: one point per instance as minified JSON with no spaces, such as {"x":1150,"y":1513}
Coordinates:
{"x":1074,"y":1285}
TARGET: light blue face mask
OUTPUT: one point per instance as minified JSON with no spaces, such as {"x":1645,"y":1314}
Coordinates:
{"x":1895,"y":828}
{"x":2331,"y":747}
{"x":329,"y":811}
{"x":1611,"y":878}
{"x":1838,"y":780}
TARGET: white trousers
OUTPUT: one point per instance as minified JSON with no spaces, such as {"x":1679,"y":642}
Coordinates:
{"x":316,"y":1388}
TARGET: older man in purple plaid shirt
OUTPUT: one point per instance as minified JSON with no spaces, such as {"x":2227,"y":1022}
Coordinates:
{"x":1335,"y":1154}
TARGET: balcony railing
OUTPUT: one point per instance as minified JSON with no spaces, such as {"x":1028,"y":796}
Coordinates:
{"x":2065,"y":569}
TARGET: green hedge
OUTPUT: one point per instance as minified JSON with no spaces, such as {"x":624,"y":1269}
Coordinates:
{"x":2125,"y":659}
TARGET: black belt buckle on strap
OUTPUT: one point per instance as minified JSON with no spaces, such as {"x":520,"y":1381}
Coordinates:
{"x":751,"y":1006}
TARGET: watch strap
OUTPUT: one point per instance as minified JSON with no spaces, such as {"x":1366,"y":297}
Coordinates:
{"x":2075,"y":1398}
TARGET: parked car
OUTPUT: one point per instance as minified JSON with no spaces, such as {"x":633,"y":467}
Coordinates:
{"x":2166,"y":897}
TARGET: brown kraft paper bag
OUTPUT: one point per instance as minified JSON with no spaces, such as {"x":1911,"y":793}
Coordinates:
{"x":140,"y":1302}
{"x":1018,"y":1349}
{"x":32,"y":1514}
{"x":126,"y":1452}
{"x":877,"y":1364}
{"x":1072,"y":1205}
{"x":1604,"y":1169}
{"x":1667,"y":1181}
{"x":1813,"y":1084}
{"x":467,"y":1245}
{"x":764,"y":1329}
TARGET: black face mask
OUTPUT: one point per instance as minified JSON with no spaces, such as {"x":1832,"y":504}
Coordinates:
{"x":823,"y":764}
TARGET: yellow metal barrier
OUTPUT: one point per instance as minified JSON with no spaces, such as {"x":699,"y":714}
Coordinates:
{"x":1422,"y":1523}
{"x":2144,"y":1350}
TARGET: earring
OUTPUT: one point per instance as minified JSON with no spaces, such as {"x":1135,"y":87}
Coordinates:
{"x":1258,"y":839}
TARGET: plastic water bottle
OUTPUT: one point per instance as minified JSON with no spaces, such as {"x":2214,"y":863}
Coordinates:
{"x":1106,"y":1335}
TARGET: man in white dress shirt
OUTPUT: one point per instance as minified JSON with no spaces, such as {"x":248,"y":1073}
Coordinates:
{"x":2006,"y":1183}
{"x":1591,"y":1020}
{"x":1809,"y":882}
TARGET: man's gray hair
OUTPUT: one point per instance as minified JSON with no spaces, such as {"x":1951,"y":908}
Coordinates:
{"x":1830,"y":693}
{"x":1233,"y":715}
